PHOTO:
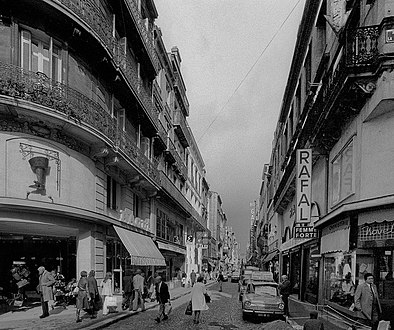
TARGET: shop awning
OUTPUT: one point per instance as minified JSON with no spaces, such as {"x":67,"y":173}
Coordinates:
{"x":270,"y":256}
{"x":335,"y":237}
{"x":142,"y":250}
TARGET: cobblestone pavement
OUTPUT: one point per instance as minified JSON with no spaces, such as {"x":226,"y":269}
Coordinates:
{"x":224,"y":313}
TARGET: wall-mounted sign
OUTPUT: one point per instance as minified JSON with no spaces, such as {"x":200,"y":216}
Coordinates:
{"x":376,"y":231}
{"x":305,"y":232}
{"x":389,"y":35}
{"x":303,"y":183}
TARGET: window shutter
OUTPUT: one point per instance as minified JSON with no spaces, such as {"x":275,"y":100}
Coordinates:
{"x":26,"y":50}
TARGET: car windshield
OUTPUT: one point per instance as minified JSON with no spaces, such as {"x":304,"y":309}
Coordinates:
{"x":262,"y":289}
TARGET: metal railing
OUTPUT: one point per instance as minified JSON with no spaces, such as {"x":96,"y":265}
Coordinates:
{"x":180,"y":121}
{"x":59,"y":98}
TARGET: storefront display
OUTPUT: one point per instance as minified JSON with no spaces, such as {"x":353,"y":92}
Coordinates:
{"x":339,"y":275}
{"x":312,"y":261}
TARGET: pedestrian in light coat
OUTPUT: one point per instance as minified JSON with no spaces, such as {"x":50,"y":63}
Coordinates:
{"x":46,"y":281}
{"x":82,"y":297}
{"x":367,"y":301}
{"x":198,"y":299}
{"x":138,"y":287}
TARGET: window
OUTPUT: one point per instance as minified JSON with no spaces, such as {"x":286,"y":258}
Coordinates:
{"x":40,"y":54}
{"x":161,"y":224}
{"x":137,"y":206}
{"x":111,"y":193}
{"x":342,"y":174}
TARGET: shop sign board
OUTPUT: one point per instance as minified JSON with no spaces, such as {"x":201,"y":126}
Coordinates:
{"x":376,"y":231}
{"x":303,"y":185}
{"x":305,"y":232}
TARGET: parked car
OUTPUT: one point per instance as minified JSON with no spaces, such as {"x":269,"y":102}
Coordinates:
{"x":262,"y":299}
{"x":235,"y":276}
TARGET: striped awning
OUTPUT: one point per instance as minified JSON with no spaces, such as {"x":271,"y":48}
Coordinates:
{"x":142,"y":249}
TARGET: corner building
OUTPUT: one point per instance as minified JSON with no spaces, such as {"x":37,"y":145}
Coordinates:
{"x":93,"y":173}
{"x":338,"y":102}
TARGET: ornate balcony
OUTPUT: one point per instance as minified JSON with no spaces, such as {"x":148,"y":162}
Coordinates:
{"x":90,"y":13}
{"x":146,"y":36}
{"x":181,"y":93}
{"x":181,"y":129}
{"x":128,"y":68}
{"x":175,"y":159}
{"x":63,"y":100}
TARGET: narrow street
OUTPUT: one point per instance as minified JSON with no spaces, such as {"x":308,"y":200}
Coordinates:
{"x":224,"y":313}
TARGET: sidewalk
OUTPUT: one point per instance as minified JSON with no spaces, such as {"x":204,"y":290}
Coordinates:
{"x":61,"y":318}
{"x":299,"y":314}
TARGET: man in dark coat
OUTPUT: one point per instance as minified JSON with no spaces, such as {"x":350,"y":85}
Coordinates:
{"x":93,"y":293}
{"x":46,"y":281}
{"x":285,"y":291}
{"x":163,"y":297}
{"x":128,"y":289}
{"x":313,"y":323}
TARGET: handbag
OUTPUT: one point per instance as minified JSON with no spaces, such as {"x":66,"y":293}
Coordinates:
{"x":111,"y":301}
{"x":189,"y":309}
{"x":207,"y":298}
{"x":167,"y":308}
{"x":76,"y":290}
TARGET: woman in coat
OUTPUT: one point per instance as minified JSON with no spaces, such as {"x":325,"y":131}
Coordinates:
{"x":82,"y":297}
{"x":106,"y":290}
{"x":198,"y":299}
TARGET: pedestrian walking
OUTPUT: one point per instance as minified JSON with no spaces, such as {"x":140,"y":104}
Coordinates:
{"x":128,"y":289}
{"x":46,"y":281}
{"x":198,"y":299}
{"x":93,"y":294}
{"x":193,"y":277}
{"x":367,"y":301}
{"x":285,"y":291}
{"x":150,"y":283}
{"x":82,"y":297}
{"x":106,"y":290}
{"x":220,"y":279}
{"x":313,"y":323}
{"x":138,"y":289}
{"x":162,"y":297}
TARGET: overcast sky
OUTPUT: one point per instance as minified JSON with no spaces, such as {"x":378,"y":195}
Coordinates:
{"x":219,"y":42}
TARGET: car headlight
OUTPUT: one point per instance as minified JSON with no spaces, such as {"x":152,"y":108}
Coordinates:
{"x":281,"y":306}
{"x":247,"y":304}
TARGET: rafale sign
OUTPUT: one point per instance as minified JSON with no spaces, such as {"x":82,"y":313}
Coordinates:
{"x":304,"y":171}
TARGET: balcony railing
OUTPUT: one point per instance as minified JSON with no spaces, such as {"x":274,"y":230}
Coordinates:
{"x":59,"y":98}
{"x":362,"y":46}
{"x":129,"y":68}
{"x":90,"y":13}
{"x":179,"y":164}
{"x":181,"y":128}
{"x":181,"y":93}
{"x":87,"y":11}
{"x":145,"y":35}
{"x":130,"y":148}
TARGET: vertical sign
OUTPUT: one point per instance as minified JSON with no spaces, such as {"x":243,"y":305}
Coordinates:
{"x":303,"y":183}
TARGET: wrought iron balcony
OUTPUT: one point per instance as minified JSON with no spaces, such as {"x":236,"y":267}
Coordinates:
{"x":90,"y":13}
{"x":37,"y":88}
{"x":174,"y":157}
{"x":181,"y":93}
{"x":61,"y":99}
{"x":362,"y":47}
{"x":181,"y":129}
{"x":169,"y":187}
{"x":146,"y":36}
{"x":125,"y":143}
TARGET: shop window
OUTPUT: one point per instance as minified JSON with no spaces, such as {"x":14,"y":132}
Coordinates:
{"x":40,"y":54}
{"x":339,"y":278}
{"x":111,"y":193}
{"x":342,"y":174}
{"x":385,"y":267}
